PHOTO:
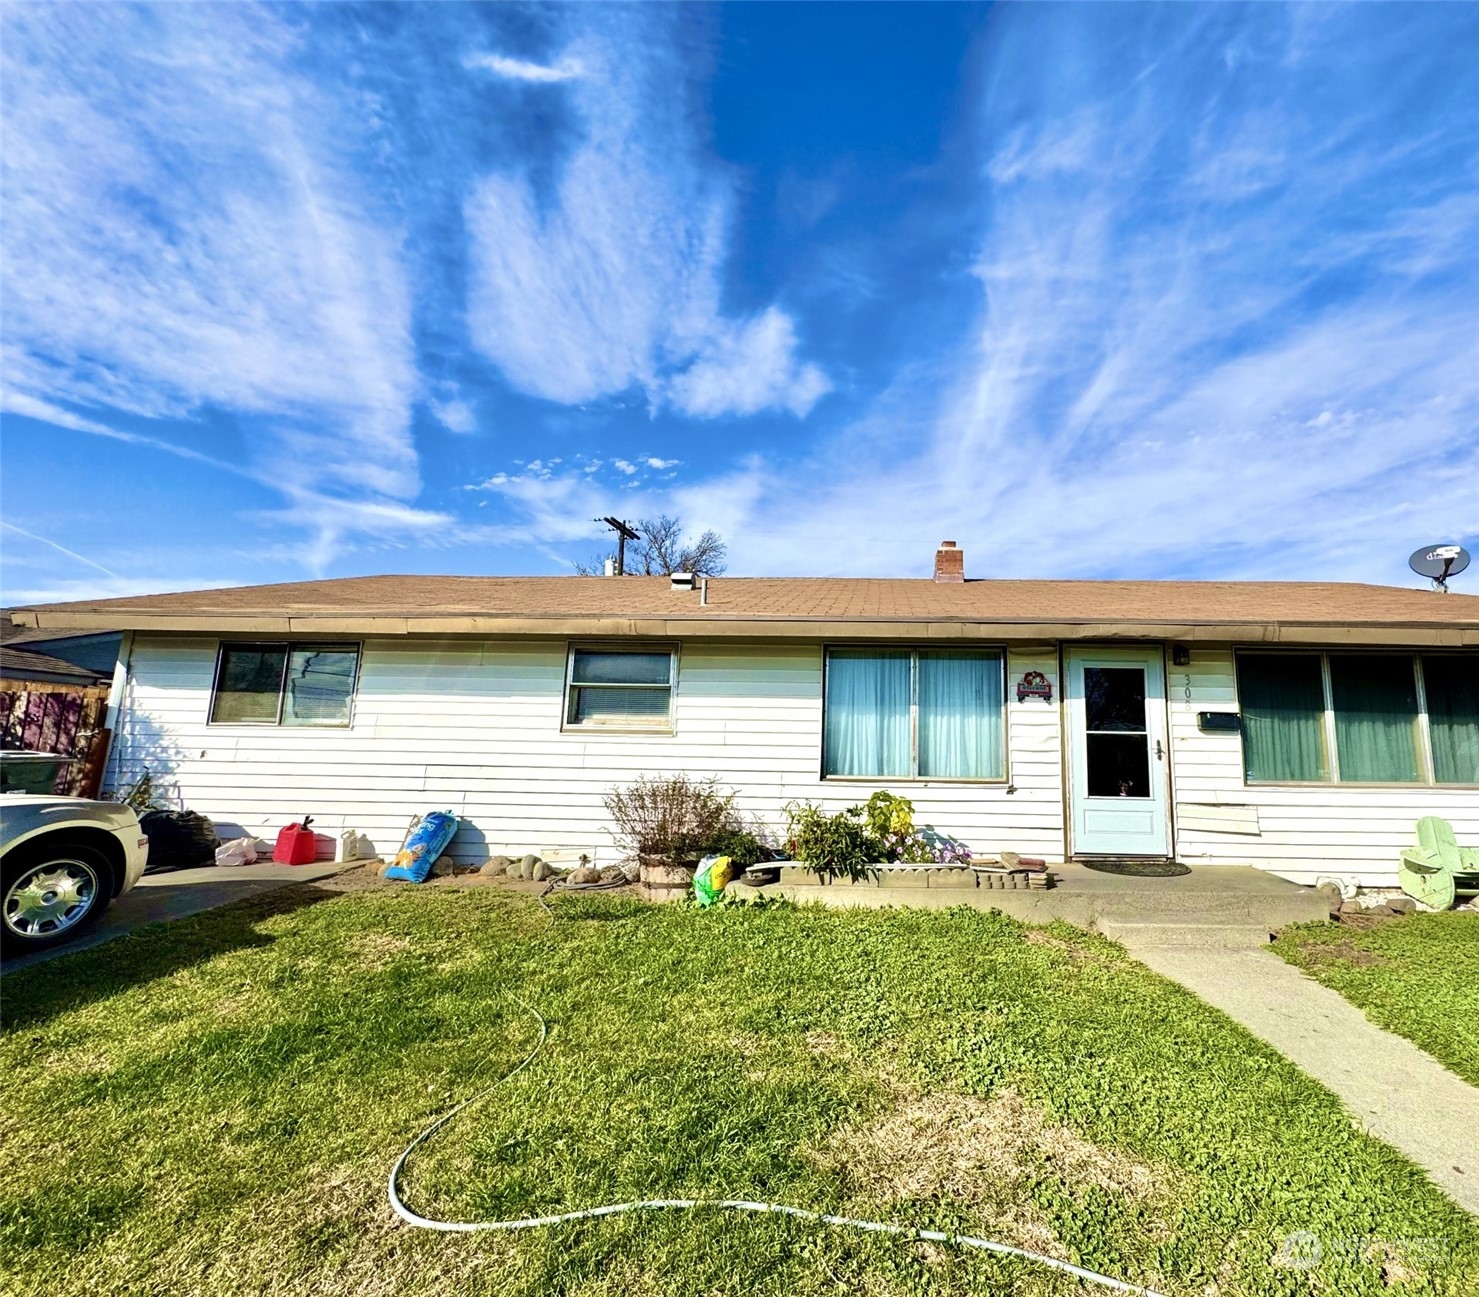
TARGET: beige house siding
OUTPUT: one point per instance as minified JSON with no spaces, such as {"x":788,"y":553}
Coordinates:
{"x":1303,"y":833}
{"x":473,"y":726}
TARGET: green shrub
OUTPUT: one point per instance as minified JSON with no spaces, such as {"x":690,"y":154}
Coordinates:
{"x":673,"y":817}
{"x":740,"y":845}
{"x":834,"y":846}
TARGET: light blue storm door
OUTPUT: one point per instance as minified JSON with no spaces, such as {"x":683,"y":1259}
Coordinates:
{"x":1118,"y":785}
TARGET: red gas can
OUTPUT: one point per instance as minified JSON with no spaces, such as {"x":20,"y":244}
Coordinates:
{"x":296,"y":845}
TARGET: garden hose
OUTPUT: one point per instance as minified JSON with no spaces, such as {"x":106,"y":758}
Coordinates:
{"x":714,"y":1204}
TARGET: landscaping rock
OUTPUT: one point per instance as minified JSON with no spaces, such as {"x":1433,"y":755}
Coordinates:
{"x":516,"y":870}
{"x":542,"y":871}
{"x":1402,"y":905}
{"x":611,"y":874}
{"x":1333,"y":898}
{"x":1352,"y":907}
{"x":380,"y":867}
{"x":494,"y":867}
{"x":442,"y":867}
{"x":529,"y":862}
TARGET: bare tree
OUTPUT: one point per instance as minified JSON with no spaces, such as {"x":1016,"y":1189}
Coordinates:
{"x":663,"y":550}
{"x":597,"y":565}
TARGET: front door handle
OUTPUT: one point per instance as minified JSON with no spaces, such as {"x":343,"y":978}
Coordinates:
{"x":1159,"y":751}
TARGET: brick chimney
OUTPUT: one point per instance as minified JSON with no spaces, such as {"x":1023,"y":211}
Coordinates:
{"x":949,"y":562}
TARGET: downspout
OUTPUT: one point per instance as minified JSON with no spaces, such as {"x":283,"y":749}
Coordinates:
{"x":117,"y":704}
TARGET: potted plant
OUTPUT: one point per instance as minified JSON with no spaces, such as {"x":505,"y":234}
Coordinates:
{"x":669,"y":823}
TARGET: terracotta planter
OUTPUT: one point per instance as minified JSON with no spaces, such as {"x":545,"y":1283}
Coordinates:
{"x":664,"y":879}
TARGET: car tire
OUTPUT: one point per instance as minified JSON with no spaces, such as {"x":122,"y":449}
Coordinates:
{"x":51,"y":893}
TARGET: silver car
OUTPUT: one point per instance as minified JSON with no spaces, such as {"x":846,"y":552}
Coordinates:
{"x":62,"y":861}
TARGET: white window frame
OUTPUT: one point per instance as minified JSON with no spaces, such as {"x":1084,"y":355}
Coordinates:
{"x":658,"y":725}
{"x":288,"y":647}
{"x":1423,"y":735}
{"x":914,"y":650}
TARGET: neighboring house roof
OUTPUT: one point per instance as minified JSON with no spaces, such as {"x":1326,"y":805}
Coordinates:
{"x":797,"y":607}
{"x":27,"y":664}
{"x":10,"y":633}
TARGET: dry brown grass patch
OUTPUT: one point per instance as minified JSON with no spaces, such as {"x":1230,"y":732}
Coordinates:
{"x":376,"y":949}
{"x":986,"y":1153}
{"x":1075,"y":951}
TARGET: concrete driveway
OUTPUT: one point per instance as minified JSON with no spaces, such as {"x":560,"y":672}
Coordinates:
{"x":181,"y":892}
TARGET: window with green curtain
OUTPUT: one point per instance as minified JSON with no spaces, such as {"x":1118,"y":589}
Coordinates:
{"x":1375,"y":700}
{"x":960,"y":715}
{"x":1451,"y":682}
{"x":1282,"y":700}
{"x":866,"y":729}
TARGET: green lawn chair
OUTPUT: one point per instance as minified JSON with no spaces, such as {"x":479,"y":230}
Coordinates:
{"x":1437,"y":870}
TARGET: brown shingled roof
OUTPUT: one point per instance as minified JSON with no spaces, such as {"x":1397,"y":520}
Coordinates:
{"x":770,"y":602}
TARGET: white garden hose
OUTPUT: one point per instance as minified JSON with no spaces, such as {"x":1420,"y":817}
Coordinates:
{"x":719,"y":1204}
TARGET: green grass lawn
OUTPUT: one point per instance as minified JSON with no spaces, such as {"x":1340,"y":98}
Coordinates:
{"x":212,"y":1106}
{"x":1417,"y":976}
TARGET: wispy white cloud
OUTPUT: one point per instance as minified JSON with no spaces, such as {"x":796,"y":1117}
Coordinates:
{"x":611,"y":280}
{"x":748,"y":367}
{"x":65,"y":589}
{"x":624,"y":466}
{"x":653,"y":462}
{"x":1214,"y":338}
{"x":182,"y":233}
{"x":455,"y":415}
{"x":60,"y":548}
{"x":522,"y":69}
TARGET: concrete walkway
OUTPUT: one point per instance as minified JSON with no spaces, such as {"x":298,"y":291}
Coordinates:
{"x":1397,"y":1092}
{"x":177,"y":893}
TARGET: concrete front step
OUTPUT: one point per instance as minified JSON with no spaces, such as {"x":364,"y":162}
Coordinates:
{"x":1186,"y":936}
{"x":1291,"y":904}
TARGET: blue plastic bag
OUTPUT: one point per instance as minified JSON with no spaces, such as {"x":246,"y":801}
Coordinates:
{"x":427,"y":841}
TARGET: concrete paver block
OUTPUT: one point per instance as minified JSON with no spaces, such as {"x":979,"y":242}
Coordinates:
{"x":799,"y":876}
{"x":950,"y":878}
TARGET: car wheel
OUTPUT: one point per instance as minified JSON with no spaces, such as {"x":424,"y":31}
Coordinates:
{"x":52,"y":893}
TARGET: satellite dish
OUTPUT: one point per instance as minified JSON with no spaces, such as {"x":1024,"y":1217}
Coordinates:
{"x":1439,"y":562}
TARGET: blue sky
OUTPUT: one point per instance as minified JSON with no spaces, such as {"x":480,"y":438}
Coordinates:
{"x":1099,"y":291}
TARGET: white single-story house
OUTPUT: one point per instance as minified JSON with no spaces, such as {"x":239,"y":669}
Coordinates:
{"x":1302,"y":727}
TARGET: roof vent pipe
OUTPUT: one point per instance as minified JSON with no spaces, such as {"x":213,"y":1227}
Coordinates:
{"x":949,"y":562}
{"x":610,"y":567}
{"x":682,"y":580}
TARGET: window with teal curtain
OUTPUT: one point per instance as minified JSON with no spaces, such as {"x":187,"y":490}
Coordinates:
{"x":1451,"y":682}
{"x":960,"y":715}
{"x":1375,"y":700}
{"x":866,"y":726}
{"x":1282,"y":700}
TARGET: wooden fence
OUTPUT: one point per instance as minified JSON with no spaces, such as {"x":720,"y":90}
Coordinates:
{"x":68,"y":722}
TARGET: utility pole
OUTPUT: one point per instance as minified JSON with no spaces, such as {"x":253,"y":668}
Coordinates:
{"x":624,"y":532}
